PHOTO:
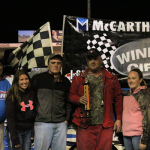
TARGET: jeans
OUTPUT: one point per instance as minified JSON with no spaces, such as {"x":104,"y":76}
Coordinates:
{"x":25,"y":140}
{"x":131,"y":142}
{"x":9,"y":142}
{"x":50,"y":135}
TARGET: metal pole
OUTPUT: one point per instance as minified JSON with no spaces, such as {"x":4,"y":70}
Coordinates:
{"x":88,"y":8}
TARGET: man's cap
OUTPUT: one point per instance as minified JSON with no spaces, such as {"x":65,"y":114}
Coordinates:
{"x":55,"y":55}
{"x":93,"y":53}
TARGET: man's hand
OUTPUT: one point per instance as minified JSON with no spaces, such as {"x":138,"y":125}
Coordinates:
{"x":142,"y":146}
{"x":117,"y":125}
{"x":83,"y":100}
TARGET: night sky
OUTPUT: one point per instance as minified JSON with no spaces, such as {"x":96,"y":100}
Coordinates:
{"x":31,"y":14}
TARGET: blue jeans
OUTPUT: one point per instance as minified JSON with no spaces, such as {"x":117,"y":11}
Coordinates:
{"x":9,"y":142}
{"x":132,"y":142}
{"x":25,"y":140}
{"x":50,"y":135}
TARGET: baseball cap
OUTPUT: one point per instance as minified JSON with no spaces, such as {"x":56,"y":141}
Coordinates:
{"x":54,"y":55}
{"x":93,"y":53}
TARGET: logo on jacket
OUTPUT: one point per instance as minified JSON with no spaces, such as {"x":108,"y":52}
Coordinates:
{"x":2,"y":94}
{"x":27,"y":105}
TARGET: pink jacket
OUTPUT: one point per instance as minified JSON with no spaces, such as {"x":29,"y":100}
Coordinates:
{"x":136,"y":114}
{"x":132,"y":116}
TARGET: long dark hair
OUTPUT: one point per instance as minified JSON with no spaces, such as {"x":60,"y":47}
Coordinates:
{"x":13,"y":92}
{"x":140,"y":76}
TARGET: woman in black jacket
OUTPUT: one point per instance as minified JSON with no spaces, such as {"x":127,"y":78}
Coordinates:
{"x":20,"y":111}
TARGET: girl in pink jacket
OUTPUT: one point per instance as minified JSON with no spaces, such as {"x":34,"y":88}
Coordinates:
{"x":136,"y":115}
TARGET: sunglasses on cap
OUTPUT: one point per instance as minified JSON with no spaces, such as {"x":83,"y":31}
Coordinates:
{"x":93,"y":52}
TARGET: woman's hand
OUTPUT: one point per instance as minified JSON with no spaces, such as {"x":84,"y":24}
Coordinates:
{"x":66,"y":121}
{"x":32,"y":141}
{"x":17,"y":146}
{"x":142,"y":146}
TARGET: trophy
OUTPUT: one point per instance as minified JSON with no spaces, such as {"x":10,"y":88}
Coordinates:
{"x":86,"y":94}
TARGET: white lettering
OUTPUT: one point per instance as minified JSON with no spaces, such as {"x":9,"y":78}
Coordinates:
{"x":71,"y":74}
{"x":129,"y":68}
{"x":138,"y":26}
{"x":147,"y":66}
{"x":145,"y":26}
{"x":133,"y":55}
{"x":142,"y":67}
{"x":148,"y":51}
{"x":106,"y":27}
{"x":98,"y":25}
{"x":124,"y":58}
{"x":121,"y":26}
{"x":139,"y":52}
{"x":112,"y":25}
{"x":3,"y":96}
{"x":130,"y":26}
{"x":78,"y":71}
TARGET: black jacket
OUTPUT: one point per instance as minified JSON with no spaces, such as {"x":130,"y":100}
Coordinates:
{"x":20,"y":118}
{"x":53,"y":105}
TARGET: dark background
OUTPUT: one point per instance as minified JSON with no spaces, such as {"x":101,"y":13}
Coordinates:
{"x":31,"y":14}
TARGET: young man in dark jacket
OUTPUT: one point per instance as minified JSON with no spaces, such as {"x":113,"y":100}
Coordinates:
{"x":96,"y":133}
{"x":53,"y":108}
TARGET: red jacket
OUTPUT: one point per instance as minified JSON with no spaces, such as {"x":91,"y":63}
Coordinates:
{"x":112,"y":93}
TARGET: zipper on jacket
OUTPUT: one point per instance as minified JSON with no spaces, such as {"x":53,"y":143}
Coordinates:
{"x":52,"y":97}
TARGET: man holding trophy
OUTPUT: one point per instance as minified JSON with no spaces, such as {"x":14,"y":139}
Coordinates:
{"x":93,"y":92}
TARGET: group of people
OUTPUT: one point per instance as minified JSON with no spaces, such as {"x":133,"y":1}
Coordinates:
{"x":40,"y":108}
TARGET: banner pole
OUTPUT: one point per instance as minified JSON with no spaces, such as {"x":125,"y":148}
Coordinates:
{"x":89,"y":8}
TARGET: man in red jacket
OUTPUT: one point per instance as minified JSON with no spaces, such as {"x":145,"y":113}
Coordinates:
{"x":96,"y":132}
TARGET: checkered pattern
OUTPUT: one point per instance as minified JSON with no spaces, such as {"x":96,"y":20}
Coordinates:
{"x":34,"y":52}
{"x":102,"y":44}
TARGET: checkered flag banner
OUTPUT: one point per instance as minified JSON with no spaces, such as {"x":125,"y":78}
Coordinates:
{"x":103,"y":45}
{"x":34,"y":52}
